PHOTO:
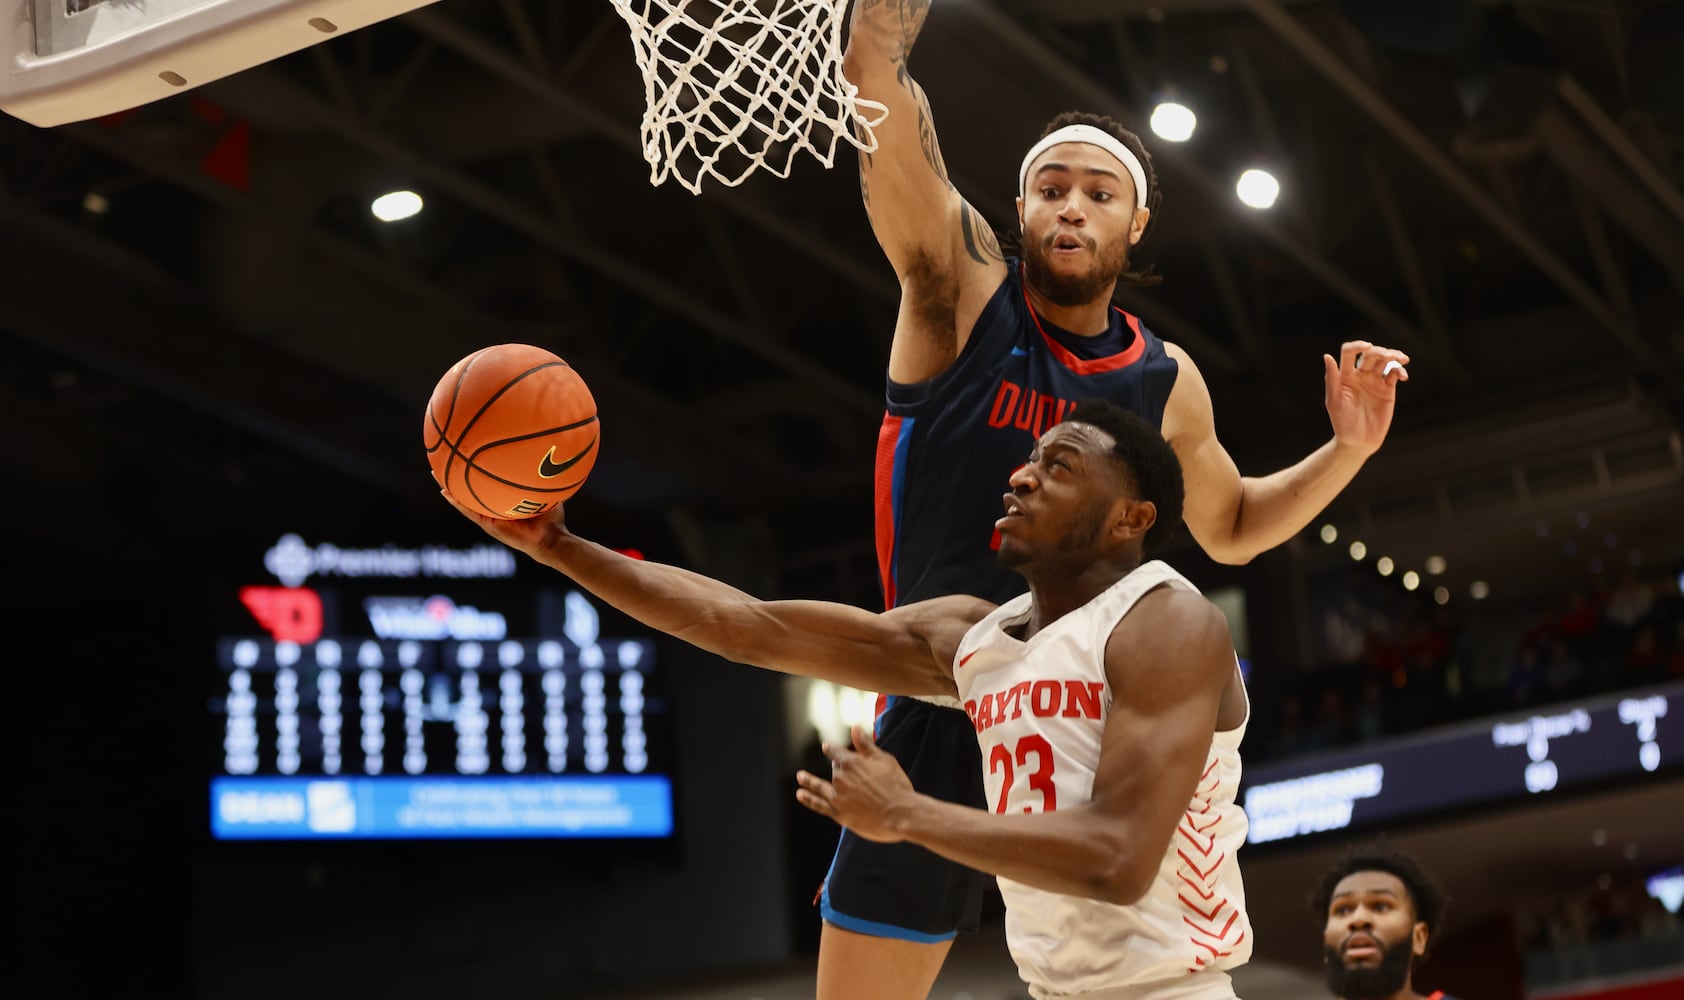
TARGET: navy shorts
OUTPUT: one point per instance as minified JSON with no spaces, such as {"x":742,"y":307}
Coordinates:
{"x":902,"y":890}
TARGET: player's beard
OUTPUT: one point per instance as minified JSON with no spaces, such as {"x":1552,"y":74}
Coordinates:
{"x":1371,"y":982}
{"x":1070,"y":290}
{"x":1068,"y":555}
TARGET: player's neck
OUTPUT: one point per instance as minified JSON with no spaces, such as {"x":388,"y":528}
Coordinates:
{"x":1090,"y":319}
{"x":1057,"y":593}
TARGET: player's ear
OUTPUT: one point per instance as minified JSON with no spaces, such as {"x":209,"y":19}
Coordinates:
{"x":1020,"y":213}
{"x":1137,"y":228}
{"x":1134,"y":519}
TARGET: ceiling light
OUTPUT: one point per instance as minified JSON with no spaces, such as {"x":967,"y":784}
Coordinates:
{"x":1435,"y":565}
{"x":1174,"y":122}
{"x":1411,"y":580}
{"x":1258,"y":188}
{"x":1329,"y":534}
{"x":1479,"y":590}
{"x":95,"y":203}
{"x":395,"y":205}
{"x":1358,"y":551}
{"x":1441,"y":595}
{"x":1384,"y":565}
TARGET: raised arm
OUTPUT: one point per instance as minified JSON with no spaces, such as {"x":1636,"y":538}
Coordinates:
{"x":944,"y":253}
{"x":1169,"y":661}
{"x":1234,"y":518}
{"x":905,"y":651}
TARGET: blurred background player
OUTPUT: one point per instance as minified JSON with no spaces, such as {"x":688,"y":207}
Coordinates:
{"x":1381,"y":909}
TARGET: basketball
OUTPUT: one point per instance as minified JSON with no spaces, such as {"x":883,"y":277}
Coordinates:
{"x":511,"y":431}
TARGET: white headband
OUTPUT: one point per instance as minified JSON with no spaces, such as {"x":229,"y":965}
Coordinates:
{"x":1093,"y":137}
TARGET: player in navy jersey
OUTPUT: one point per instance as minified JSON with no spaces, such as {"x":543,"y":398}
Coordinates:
{"x":1380,"y":909}
{"x":989,"y":350}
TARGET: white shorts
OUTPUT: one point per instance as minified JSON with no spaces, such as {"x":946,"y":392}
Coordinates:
{"x":1212,"y":984}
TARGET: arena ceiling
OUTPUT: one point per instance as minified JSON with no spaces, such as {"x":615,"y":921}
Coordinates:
{"x":196,"y":289}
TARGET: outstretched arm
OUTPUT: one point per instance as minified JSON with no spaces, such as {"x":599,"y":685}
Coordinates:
{"x":1169,"y":662}
{"x":1234,"y":518}
{"x":944,"y":253}
{"x":905,"y":651}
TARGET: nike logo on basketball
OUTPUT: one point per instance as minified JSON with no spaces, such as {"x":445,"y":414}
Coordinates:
{"x":549,"y":468}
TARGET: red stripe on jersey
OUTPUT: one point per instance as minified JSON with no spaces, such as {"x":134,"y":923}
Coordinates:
{"x":1081,"y":366}
{"x":887,"y":438}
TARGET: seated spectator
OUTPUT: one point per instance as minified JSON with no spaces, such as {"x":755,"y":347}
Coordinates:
{"x":1328,"y":729}
{"x":1645,"y":661}
{"x":1526,"y":677}
{"x":1369,"y":720}
{"x":1630,"y":602}
{"x":1289,"y":738}
{"x":1564,"y":672}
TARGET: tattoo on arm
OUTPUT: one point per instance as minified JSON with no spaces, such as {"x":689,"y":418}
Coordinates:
{"x":927,"y":137}
{"x":980,"y":241}
{"x":896,"y":21}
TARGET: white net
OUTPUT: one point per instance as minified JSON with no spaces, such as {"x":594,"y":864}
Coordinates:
{"x":735,"y":86}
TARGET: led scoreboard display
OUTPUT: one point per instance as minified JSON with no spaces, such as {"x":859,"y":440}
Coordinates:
{"x":425,"y":692}
{"x":1633,"y":736}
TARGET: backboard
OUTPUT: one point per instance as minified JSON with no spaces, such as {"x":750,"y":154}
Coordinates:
{"x":74,"y":60}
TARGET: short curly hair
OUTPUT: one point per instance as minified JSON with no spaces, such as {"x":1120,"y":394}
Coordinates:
{"x":1426,"y":897}
{"x":1141,"y":452}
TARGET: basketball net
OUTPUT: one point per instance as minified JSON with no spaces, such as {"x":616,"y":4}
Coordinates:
{"x":735,"y":86}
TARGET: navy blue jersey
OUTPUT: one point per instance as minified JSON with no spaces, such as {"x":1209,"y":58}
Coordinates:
{"x":948,"y":446}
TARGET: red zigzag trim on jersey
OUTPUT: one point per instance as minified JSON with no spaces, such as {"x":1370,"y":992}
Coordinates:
{"x":1202,"y":880}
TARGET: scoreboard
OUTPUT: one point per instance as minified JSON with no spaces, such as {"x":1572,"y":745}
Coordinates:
{"x":1633,"y":736}
{"x":407,"y":693}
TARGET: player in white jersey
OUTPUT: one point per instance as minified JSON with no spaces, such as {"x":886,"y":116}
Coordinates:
{"x":1107,"y":701}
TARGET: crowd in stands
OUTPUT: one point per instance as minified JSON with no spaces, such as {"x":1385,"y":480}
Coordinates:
{"x":1400,"y":662}
{"x":1610,"y":931}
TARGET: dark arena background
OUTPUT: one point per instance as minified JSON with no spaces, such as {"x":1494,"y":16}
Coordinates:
{"x":291,"y":727}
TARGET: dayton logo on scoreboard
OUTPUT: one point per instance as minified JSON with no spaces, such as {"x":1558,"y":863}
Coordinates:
{"x":436,"y":617}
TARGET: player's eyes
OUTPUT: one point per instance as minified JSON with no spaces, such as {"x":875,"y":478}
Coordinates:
{"x":1049,"y":192}
{"x":1102,"y":196}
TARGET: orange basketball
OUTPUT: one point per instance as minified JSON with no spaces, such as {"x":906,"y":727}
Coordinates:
{"x":511,"y":431}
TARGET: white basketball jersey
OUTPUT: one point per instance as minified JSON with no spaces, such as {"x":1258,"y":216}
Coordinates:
{"x":1040,"y":709}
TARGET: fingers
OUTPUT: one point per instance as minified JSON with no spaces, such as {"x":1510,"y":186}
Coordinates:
{"x":863,"y":741}
{"x":473,"y":515}
{"x":1370,"y":361}
{"x":815,"y":793}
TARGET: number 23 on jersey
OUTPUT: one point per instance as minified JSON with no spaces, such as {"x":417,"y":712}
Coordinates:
{"x":1033,"y":760}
